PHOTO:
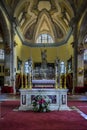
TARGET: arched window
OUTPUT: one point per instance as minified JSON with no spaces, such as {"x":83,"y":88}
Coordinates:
{"x":44,"y":38}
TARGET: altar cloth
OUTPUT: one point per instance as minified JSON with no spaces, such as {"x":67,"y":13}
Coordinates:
{"x":43,"y":81}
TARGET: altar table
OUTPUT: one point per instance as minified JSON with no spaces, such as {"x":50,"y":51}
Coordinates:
{"x":58,"y":98}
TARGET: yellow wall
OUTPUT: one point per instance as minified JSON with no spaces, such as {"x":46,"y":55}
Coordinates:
{"x":1,"y":45}
{"x":22,"y":51}
{"x":63,"y":52}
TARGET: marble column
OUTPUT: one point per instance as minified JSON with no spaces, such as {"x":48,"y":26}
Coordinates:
{"x":9,"y":79}
{"x":13,"y":68}
{"x":80,"y":79}
{"x":75,"y":56}
{"x":7,"y":59}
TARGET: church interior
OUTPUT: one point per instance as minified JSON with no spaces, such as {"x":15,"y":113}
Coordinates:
{"x":27,"y":29}
{"x":43,"y":46}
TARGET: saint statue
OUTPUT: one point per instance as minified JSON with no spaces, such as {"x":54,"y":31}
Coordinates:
{"x":43,"y":55}
{"x":44,"y":59}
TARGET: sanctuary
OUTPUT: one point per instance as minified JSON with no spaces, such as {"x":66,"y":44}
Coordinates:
{"x":45,"y":86}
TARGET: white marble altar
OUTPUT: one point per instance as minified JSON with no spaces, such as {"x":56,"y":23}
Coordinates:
{"x":57,"y":96}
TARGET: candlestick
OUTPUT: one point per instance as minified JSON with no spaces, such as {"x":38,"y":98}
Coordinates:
{"x":30,"y":86}
{"x":22,"y":76}
{"x":26,"y":86}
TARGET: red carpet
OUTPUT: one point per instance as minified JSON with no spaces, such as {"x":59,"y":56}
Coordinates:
{"x":83,"y":109}
{"x":54,"y":120}
{"x":81,"y":105}
{"x":8,"y":106}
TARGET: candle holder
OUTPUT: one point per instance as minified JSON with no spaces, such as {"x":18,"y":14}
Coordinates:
{"x":26,"y":85}
{"x":30,"y":85}
{"x":22,"y":86}
{"x":60,"y":83}
{"x":65,"y":82}
{"x":56,"y":83}
{"x":22,"y":81}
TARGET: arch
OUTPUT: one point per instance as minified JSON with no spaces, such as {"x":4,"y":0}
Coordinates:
{"x":3,"y":23}
{"x":83,"y":28}
{"x":44,"y":25}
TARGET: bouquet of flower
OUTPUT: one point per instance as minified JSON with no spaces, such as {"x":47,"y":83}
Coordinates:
{"x":40,"y":103}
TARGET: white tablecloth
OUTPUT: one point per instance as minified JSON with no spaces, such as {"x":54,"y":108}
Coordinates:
{"x":43,"y":81}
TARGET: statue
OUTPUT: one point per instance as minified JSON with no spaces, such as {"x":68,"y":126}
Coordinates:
{"x":44,"y":59}
{"x":43,"y":55}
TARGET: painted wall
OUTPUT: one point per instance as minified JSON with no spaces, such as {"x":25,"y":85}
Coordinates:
{"x":63,"y":52}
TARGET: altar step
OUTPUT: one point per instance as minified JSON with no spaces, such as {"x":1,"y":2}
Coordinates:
{"x":6,"y":96}
{"x":82,"y":97}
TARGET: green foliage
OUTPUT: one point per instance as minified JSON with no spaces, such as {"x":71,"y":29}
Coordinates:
{"x":41,"y":103}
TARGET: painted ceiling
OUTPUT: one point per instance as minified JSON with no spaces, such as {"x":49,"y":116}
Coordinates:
{"x":53,"y":17}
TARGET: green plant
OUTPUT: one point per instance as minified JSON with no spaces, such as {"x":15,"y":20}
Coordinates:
{"x":40,"y":103}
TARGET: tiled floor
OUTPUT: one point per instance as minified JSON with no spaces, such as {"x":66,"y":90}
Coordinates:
{"x":77,"y":97}
{"x":5,"y":96}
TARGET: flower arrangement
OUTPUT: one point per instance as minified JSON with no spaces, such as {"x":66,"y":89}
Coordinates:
{"x":41,"y":103}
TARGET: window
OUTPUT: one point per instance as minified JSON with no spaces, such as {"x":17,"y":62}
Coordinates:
{"x":1,"y":54}
{"x":86,"y":40}
{"x":26,"y":67}
{"x":62,"y":66}
{"x":85,"y":55}
{"x":44,"y":38}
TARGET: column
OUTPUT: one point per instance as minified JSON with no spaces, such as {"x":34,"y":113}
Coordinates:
{"x":56,"y":77}
{"x":30,"y":73}
{"x":22,"y":83}
{"x":12,"y":62}
{"x":80,"y":78}
{"x":75,"y":54}
{"x":30,"y":83}
{"x":65,"y":64}
{"x":8,"y":79}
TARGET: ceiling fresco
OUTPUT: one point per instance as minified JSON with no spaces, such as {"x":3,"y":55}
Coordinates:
{"x":53,"y":17}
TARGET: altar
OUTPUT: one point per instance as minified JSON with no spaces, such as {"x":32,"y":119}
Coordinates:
{"x":43,"y":83}
{"x":58,"y":98}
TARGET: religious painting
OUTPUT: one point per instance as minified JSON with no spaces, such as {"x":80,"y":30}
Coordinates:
{"x":53,"y":98}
